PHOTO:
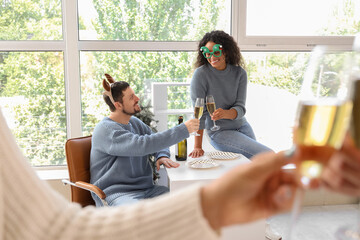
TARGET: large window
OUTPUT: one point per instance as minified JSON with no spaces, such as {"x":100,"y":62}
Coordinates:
{"x":54,"y":53}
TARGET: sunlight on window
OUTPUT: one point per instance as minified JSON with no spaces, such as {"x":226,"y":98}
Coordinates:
{"x":303,"y":18}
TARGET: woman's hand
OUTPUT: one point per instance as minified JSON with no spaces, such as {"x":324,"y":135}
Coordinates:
{"x":197,"y":152}
{"x":224,"y":114}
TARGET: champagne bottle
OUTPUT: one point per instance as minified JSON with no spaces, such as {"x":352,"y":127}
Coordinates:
{"x":181,"y":147}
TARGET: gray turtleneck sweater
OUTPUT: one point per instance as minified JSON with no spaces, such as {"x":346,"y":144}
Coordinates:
{"x":228,"y":88}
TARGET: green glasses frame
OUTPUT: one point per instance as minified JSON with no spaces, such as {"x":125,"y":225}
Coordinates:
{"x":217,"y":51}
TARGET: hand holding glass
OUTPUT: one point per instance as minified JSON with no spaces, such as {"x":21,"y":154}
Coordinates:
{"x":211,"y":107}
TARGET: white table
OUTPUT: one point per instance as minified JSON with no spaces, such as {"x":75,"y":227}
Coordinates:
{"x":184,"y":176}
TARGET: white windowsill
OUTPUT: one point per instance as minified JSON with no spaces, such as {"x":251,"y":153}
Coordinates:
{"x":53,"y":173}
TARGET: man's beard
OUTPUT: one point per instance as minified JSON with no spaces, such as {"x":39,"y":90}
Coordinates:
{"x":131,"y":113}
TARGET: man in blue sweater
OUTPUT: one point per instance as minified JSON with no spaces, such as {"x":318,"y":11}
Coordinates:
{"x":121,"y":145}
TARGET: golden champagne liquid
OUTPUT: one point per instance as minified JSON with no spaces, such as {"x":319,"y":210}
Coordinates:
{"x":198,"y":112}
{"x":210,"y":107}
{"x":321,"y":125}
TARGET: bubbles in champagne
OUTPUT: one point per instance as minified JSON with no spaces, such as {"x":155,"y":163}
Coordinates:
{"x":322,"y":124}
{"x":198,"y":112}
{"x":210,"y":107}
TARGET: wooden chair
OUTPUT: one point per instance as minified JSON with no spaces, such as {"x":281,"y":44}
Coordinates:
{"x":78,"y":161}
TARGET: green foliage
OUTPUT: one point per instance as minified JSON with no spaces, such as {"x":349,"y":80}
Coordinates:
{"x":157,"y":20}
{"x":35,"y":83}
{"x":31,"y":20}
{"x":280,"y":70}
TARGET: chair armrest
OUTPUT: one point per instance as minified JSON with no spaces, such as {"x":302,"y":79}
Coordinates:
{"x":88,"y":187}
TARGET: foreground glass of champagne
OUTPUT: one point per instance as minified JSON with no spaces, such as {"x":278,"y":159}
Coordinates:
{"x":211,"y":107}
{"x":323,"y":116}
{"x":198,"y":110}
{"x":324,"y":110}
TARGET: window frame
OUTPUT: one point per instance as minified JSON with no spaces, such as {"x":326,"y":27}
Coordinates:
{"x":71,"y":47}
{"x":283,"y":43}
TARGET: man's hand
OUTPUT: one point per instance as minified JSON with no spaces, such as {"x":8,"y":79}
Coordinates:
{"x":192,"y":125}
{"x":167,"y":163}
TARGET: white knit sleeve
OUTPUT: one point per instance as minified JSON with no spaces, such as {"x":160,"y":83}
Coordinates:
{"x":31,"y":210}
{"x":168,"y":217}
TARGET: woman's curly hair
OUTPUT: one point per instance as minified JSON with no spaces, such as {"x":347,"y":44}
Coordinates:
{"x":229,"y":47}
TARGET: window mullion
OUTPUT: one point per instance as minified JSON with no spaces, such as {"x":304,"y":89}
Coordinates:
{"x":72,"y":69}
{"x":32,"y":46}
{"x":239,"y":20}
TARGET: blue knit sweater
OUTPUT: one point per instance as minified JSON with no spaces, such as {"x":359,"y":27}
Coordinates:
{"x":229,"y":89}
{"x":119,"y":154}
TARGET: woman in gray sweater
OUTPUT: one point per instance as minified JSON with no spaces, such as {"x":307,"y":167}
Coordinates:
{"x":220,"y":73}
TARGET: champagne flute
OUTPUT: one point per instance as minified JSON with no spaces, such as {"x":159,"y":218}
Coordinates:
{"x":198,"y":110}
{"x":323,"y":116}
{"x":324,"y":110}
{"x":352,"y":231}
{"x":211,"y":107}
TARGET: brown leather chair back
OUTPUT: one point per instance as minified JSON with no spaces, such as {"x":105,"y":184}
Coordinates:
{"x":78,"y":160}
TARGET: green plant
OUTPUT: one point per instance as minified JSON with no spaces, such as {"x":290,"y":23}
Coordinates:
{"x":147,"y":116}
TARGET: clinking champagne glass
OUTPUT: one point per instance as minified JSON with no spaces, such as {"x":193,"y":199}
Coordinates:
{"x":211,"y":107}
{"x":352,"y":231}
{"x":323,"y":116}
{"x":198,"y":110}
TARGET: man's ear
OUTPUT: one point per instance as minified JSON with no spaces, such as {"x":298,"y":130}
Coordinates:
{"x":118,"y":105}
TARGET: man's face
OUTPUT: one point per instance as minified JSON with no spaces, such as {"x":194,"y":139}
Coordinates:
{"x":130,"y":102}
